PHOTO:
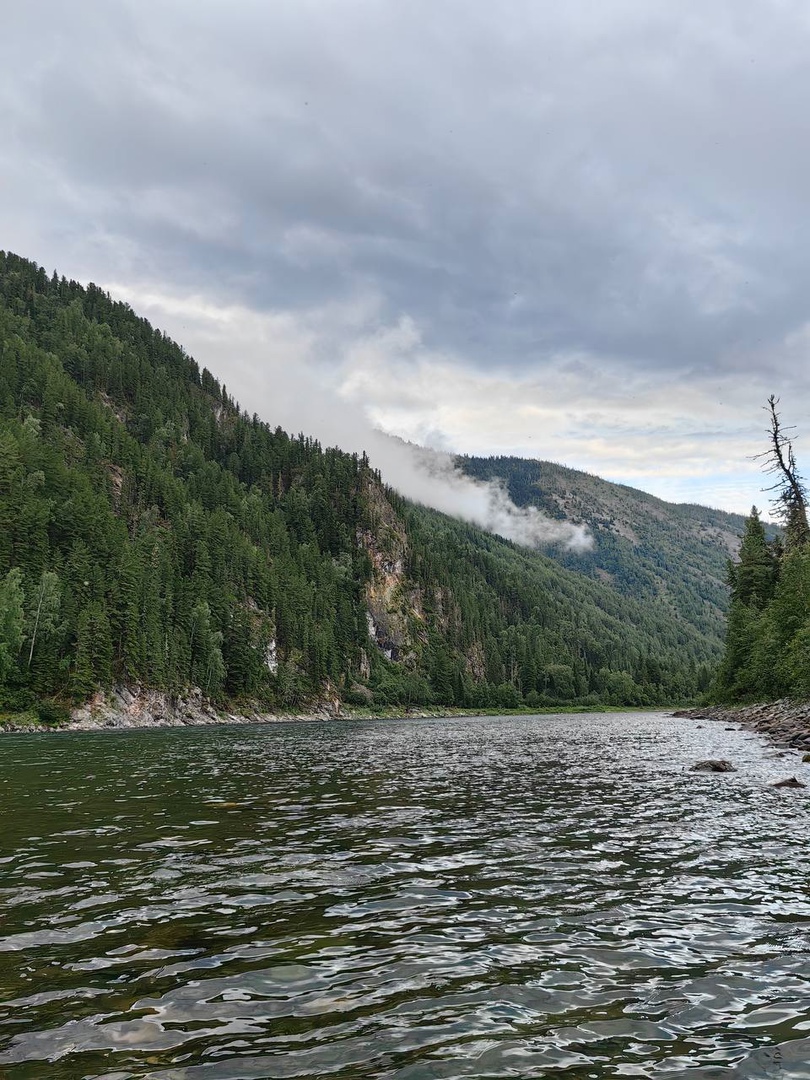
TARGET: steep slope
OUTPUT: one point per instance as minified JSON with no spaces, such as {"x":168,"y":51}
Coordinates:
{"x":511,"y":625}
{"x":152,"y":533}
{"x":676,"y":554}
{"x":177,"y":541}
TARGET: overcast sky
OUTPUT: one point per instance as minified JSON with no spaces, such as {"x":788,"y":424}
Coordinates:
{"x":576,"y":231}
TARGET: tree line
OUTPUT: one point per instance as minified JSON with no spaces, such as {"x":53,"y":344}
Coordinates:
{"x":767,"y":653}
{"x":152,"y":532}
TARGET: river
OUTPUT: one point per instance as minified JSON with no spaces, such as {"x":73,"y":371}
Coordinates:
{"x":408,"y":900}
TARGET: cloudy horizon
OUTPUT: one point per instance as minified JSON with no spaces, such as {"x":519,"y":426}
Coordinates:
{"x":575,"y":235}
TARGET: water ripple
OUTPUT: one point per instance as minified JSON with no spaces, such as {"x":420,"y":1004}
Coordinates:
{"x":522,"y":897}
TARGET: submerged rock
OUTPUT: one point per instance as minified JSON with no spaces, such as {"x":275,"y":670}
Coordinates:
{"x":790,"y":781}
{"x":713,"y":765}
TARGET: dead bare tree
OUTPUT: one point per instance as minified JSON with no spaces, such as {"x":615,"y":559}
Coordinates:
{"x":791,"y":499}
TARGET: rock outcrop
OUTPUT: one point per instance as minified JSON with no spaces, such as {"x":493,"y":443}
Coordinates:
{"x":134,"y":707}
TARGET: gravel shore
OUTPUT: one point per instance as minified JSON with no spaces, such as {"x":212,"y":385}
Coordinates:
{"x":785,"y":722}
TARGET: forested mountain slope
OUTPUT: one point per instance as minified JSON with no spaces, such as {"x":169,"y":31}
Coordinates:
{"x":152,"y":533}
{"x":644,"y":547}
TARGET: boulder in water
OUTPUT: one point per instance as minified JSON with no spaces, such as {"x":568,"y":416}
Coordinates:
{"x":713,"y":765}
{"x":790,"y":781}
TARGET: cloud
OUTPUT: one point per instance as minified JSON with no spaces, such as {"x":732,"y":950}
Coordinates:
{"x":433,"y":479}
{"x":272,"y":368}
{"x":338,"y":374}
{"x":576,"y":208}
{"x":584,"y":162}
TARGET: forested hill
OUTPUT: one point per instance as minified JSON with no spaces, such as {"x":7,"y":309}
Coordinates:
{"x":153,"y":533}
{"x":645,"y":547}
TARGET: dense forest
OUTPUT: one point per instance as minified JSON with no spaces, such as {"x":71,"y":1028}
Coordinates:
{"x":767,"y":654}
{"x":645,"y":548}
{"x":153,"y":533}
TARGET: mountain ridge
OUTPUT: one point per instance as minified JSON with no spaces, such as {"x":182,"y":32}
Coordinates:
{"x":155,"y":533}
{"x":642,"y":544}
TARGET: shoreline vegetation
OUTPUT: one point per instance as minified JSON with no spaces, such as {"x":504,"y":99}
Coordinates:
{"x":785,"y":723}
{"x":134,"y":708}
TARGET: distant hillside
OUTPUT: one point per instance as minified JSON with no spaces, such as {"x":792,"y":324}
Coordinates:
{"x":643,"y":547}
{"x":153,"y":533}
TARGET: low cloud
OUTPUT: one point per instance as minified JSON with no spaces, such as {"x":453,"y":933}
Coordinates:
{"x":432,"y":478}
{"x":270,"y":365}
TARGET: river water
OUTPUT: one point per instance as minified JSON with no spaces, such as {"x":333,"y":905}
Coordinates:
{"x":487,"y":897}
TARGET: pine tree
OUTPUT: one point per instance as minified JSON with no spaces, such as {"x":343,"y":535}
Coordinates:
{"x":753,"y":577}
{"x":753,"y":581}
{"x":12,"y":615}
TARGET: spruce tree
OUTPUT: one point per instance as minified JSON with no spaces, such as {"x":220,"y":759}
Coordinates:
{"x":753,"y":577}
{"x":12,"y":615}
{"x":753,"y":581}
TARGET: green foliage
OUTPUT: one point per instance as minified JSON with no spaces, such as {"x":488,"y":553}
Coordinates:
{"x":53,"y":713}
{"x":11,"y":621}
{"x":541,"y":633}
{"x":753,"y":577}
{"x":767,"y":651}
{"x":673,"y":556}
{"x":152,"y":532}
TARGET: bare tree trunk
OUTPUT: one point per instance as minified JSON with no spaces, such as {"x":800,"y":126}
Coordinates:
{"x":36,"y":621}
{"x":792,"y":496}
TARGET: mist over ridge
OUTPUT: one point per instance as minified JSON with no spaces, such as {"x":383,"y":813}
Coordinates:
{"x":170,"y":539}
{"x":432,"y":478}
{"x":302,"y":403}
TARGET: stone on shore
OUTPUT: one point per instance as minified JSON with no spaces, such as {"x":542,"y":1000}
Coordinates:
{"x":785,"y":723}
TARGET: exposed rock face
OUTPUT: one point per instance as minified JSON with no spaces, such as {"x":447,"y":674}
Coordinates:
{"x":271,"y":656}
{"x":397,"y":624}
{"x":394,"y":608}
{"x":133,"y":707}
{"x":785,"y":722}
{"x":127,"y":706}
{"x":476,"y":662}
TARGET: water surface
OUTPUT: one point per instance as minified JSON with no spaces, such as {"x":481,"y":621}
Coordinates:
{"x":490,"y":897}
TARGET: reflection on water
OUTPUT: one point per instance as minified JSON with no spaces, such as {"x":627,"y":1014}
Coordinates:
{"x":517,"y":897}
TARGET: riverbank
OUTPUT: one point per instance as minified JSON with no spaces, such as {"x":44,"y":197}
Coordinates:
{"x":784,"y":722}
{"x":125,"y":708}
{"x":133,"y":707}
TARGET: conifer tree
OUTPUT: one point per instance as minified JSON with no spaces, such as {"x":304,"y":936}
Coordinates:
{"x":769,"y":616}
{"x":753,"y":577}
{"x":12,"y":615}
{"x":753,"y":580}
{"x":186,"y":535}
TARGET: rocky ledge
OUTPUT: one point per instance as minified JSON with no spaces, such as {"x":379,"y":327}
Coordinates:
{"x":126,"y":707}
{"x":785,"y":722}
{"x":134,"y":707}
